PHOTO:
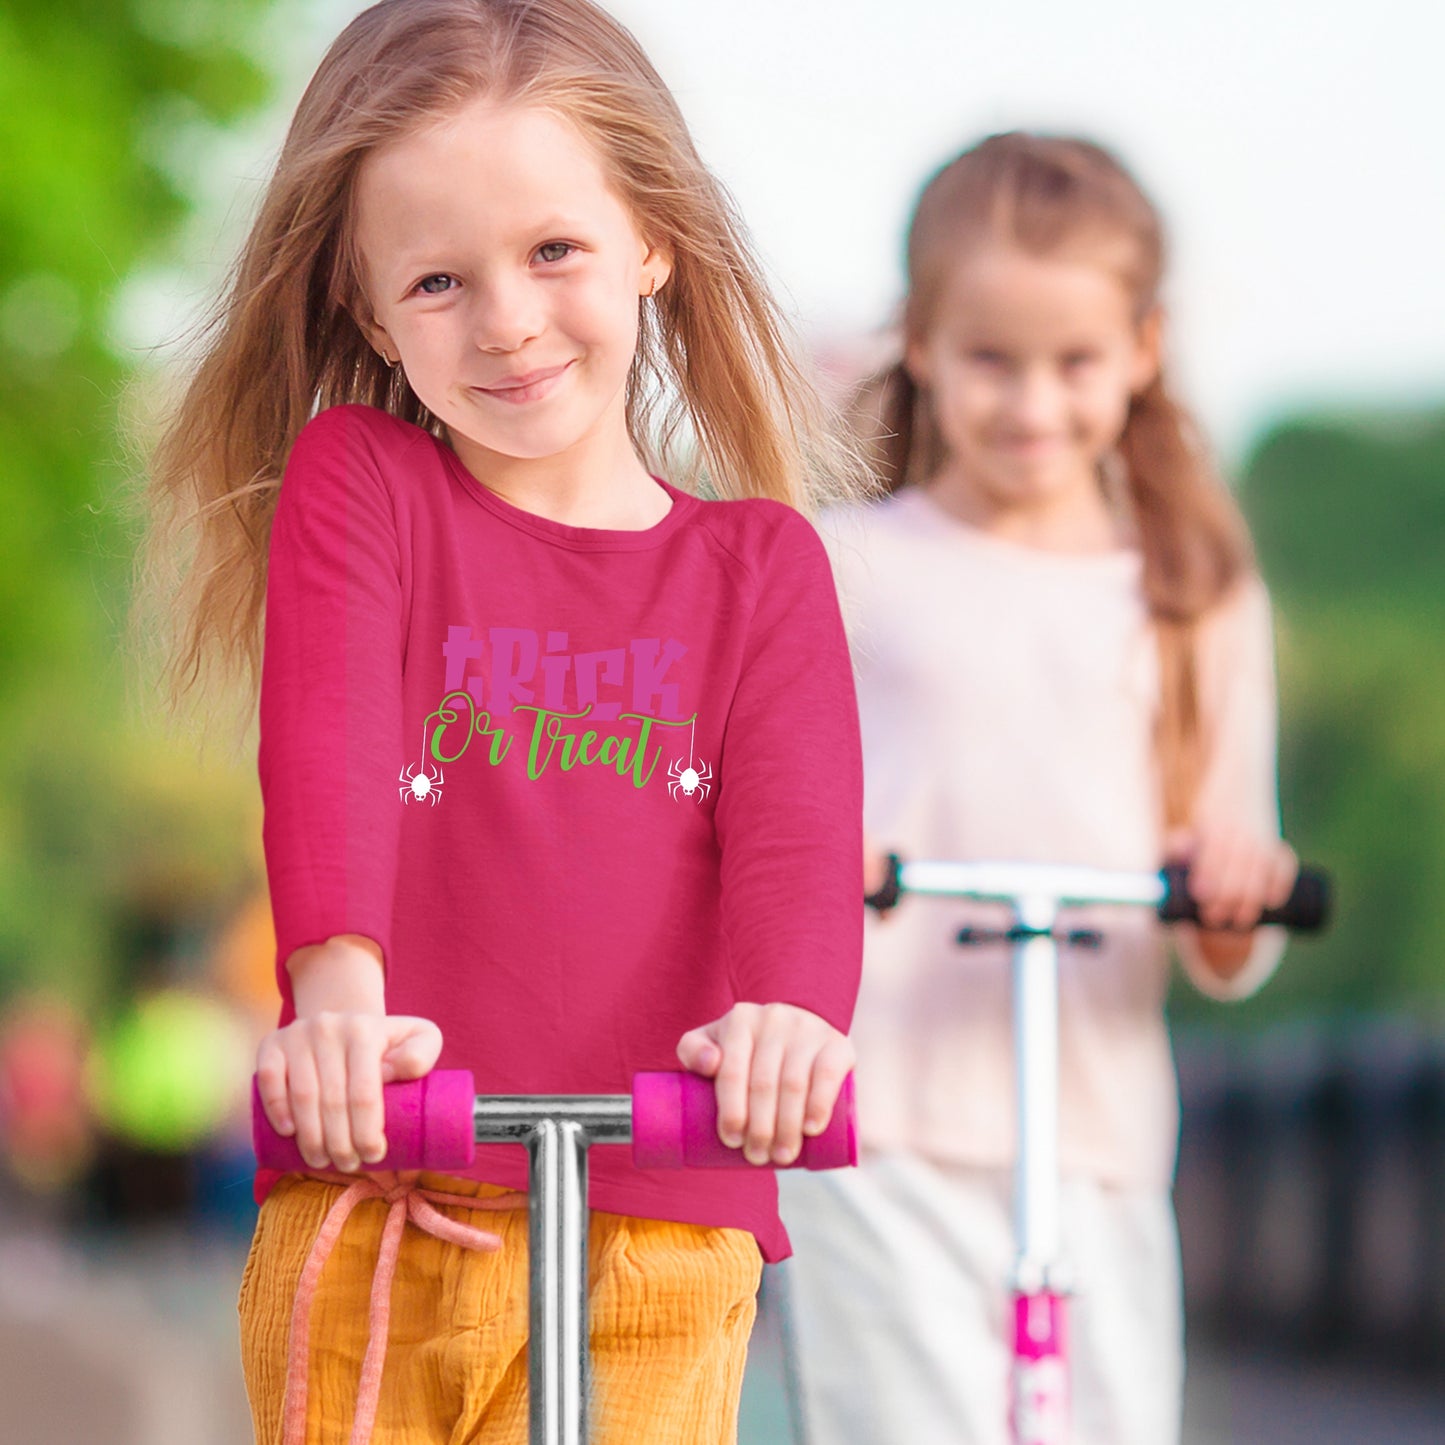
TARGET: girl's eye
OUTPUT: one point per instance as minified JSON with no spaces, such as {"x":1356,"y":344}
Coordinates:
{"x":555,"y":250}
{"x":983,"y":356}
{"x":423,"y":283}
{"x":1077,"y":360}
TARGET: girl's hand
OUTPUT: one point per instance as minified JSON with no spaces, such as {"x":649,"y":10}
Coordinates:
{"x":320,"y":1078}
{"x":875,"y":866}
{"x":1234,"y":874}
{"x":778,"y":1070}
{"x":876,"y":874}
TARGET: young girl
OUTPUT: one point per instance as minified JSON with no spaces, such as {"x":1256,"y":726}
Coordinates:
{"x":560,"y":763}
{"x":1063,"y":654}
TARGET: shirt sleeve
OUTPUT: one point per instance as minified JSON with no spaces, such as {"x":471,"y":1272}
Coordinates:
{"x":790,"y":809}
{"x":330,"y":703}
{"x":1238,"y":715}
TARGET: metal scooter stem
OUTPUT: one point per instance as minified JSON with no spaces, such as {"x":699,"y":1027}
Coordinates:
{"x":1036,"y":1062}
{"x":1035,"y":892}
{"x":556,"y":1131}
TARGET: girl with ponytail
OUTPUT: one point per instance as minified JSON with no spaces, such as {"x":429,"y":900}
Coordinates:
{"x":1063,"y":653}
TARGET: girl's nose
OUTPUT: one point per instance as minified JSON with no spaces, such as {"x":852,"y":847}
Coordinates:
{"x":1035,"y":400}
{"x":507,"y":314}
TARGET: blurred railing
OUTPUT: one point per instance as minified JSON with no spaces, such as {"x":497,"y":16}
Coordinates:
{"x":1311,"y":1189}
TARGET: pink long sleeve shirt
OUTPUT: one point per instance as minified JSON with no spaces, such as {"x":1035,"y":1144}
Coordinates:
{"x":586,"y":788}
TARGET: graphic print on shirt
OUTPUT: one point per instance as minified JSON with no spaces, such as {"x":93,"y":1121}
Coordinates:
{"x":609,"y":708}
{"x":420,"y":785}
{"x":693,"y":780}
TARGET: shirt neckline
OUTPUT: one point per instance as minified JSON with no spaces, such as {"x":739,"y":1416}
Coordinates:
{"x":1121,"y":558}
{"x":563,"y":534}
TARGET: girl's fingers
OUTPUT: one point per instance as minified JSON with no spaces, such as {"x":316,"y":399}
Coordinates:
{"x":1233,"y":889}
{"x":830,"y":1068}
{"x":698,"y":1051}
{"x":1211,"y":878}
{"x":770,"y":1046}
{"x":1247,"y":878}
{"x":795,"y":1084}
{"x":334,"y":1091}
{"x":1202,"y":869}
{"x":305,"y":1105}
{"x":368,"y":1113}
{"x":271,"y":1085}
{"x":734,"y":1073}
{"x":778,"y":1077}
{"x":413,"y":1046}
{"x":875,"y":870}
{"x":1286,"y":872}
{"x":1259,"y":884}
{"x":1235,"y":876}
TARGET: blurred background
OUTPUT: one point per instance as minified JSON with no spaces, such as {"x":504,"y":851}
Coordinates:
{"x":1299,"y":154}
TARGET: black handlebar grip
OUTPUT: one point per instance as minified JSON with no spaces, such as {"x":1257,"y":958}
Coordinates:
{"x":1306,"y":911}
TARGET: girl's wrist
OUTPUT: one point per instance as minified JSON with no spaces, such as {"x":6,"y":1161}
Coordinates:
{"x":1225,"y":952}
{"x":342,"y":975}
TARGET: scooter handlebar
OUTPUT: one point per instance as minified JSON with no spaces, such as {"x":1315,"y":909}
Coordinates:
{"x":429,"y":1125}
{"x":1306,"y":911}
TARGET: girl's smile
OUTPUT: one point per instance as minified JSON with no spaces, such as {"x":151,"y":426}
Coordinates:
{"x":528,"y":386}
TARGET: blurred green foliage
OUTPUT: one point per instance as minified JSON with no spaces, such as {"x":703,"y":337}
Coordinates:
{"x":102,"y":103}
{"x":1348,"y":513}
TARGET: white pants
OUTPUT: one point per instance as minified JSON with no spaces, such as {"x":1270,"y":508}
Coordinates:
{"x":899,"y":1292}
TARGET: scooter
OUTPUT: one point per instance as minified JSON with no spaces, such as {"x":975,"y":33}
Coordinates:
{"x":670,"y":1120}
{"x":1036,"y":893}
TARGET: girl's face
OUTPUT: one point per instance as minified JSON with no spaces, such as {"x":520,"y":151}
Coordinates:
{"x":506,"y":273}
{"x":1031,"y":362}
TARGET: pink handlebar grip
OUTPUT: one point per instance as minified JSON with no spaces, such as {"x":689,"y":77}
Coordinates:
{"x":428,"y":1126}
{"x":674,"y":1126}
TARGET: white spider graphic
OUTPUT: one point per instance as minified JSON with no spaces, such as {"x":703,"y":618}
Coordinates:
{"x":420,"y":786}
{"x":690,"y":781}
{"x":694,"y":780}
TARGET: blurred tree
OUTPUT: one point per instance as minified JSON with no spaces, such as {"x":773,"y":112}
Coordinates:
{"x":1348,"y":513}
{"x":95,"y":99}
{"x":103,"y":104}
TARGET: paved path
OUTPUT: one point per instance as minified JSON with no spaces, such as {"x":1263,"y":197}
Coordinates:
{"x":133,"y":1342}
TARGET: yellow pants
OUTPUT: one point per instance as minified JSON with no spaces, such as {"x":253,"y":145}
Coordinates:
{"x":671,"y":1310}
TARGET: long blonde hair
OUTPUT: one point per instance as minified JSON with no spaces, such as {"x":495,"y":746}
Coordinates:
{"x":715,"y":397}
{"x":1044,"y":193}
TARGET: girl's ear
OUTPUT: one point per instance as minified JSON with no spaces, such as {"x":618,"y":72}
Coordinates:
{"x":378,"y":339}
{"x":915,"y":361}
{"x":1148,"y":351}
{"x":656,"y":269}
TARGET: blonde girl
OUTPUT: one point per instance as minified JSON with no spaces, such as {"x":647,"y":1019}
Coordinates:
{"x":559,"y":760}
{"x":1063,"y":654}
